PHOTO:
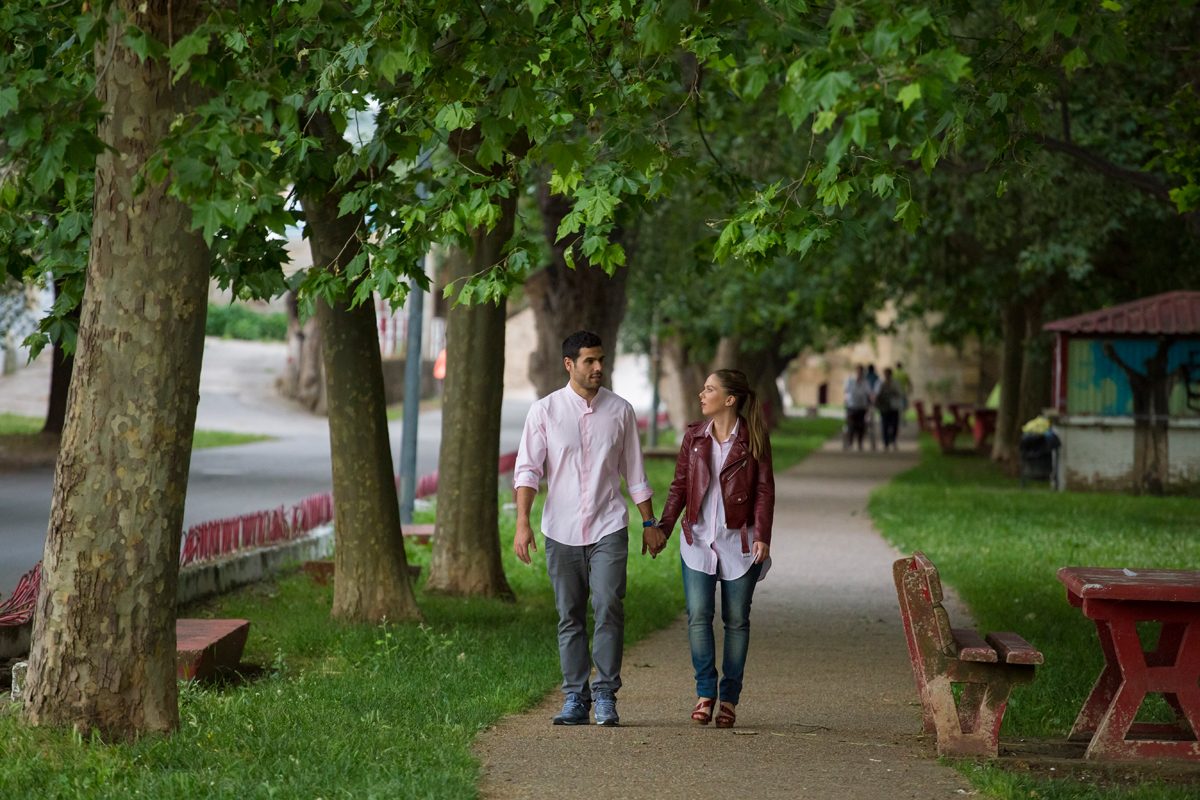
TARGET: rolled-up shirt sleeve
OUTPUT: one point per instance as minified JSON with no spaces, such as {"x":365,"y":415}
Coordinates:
{"x":531,"y":453}
{"x":632,"y":468}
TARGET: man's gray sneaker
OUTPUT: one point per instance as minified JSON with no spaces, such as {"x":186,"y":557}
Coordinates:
{"x":606,"y":709}
{"x":574,"y":710}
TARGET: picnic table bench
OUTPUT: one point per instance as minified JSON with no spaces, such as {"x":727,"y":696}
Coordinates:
{"x":983,"y":670}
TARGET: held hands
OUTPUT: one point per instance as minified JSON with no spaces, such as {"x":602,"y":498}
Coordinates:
{"x":523,"y":542}
{"x":653,"y":541}
{"x":760,"y":551}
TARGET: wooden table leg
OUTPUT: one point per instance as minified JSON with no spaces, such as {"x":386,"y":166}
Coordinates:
{"x":1101,"y":696}
{"x":1126,"y":649}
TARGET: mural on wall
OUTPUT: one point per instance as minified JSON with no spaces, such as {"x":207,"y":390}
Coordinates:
{"x":1099,"y":384}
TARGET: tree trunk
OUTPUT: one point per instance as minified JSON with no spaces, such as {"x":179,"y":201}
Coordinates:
{"x":371,"y":581}
{"x":1008,"y":424}
{"x":565,"y":300}
{"x":303,"y":378}
{"x":1035,"y":367}
{"x":103,"y":655}
{"x":466,"y":550}
{"x":681,"y":383}
{"x":62,"y":364}
{"x":1151,"y":392}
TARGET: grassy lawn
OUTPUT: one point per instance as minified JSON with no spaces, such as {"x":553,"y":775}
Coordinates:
{"x":18,"y":425}
{"x":1000,"y":547}
{"x":357,"y":711}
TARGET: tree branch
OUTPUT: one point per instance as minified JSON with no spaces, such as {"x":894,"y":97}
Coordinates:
{"x":1139,"y":180}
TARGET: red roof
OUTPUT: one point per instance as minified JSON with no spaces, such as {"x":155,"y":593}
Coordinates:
{"x":1173,"y":313}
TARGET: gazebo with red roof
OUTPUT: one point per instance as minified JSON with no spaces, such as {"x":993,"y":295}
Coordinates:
{"x":1127,"y":391}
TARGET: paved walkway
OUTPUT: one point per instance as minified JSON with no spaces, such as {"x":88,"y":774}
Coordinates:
{"x":829,"y":708}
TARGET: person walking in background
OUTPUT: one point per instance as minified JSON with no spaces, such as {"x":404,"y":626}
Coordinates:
{"x":724,"y":480}
{"x":858,"y":403}
{"x":890,"y":402}
{"x":583,"y":440}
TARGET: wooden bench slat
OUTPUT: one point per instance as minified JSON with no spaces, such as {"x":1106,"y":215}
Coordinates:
{"x":1013,"y":649}
{"x":973,"y":647}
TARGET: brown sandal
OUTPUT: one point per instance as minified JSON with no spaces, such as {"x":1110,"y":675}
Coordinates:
{"x":727,"y":715}
{"x":702,"y":713}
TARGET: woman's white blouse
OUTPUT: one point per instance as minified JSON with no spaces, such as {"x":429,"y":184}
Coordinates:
{"x":716,"y":549}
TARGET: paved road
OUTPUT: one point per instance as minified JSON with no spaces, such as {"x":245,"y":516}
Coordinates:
{"x":237,"y":394}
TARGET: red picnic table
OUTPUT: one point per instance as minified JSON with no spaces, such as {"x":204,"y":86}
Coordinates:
{"x":1117,"y":600}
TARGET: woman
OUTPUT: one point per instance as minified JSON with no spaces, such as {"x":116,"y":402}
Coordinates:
{"x":723,"y":478}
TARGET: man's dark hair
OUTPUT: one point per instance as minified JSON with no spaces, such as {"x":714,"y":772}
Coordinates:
{"x":577,"y":341}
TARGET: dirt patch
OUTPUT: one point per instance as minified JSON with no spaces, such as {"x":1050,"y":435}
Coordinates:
{"x":1056,"y":759}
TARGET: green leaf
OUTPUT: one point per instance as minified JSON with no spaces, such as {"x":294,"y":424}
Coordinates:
{"x":829,"y":87}
{"x":860,"y":122}
{"x":997,"y":102}
{"x":909,"y":95}
{"x":1074,"y":60}
{"x":824,"y":121}
{"x":841,"y":19}
{"x":883,"y":185}
{"x":190,"y":46}
{"x":8,"y":100}
{"x":453,"y":116}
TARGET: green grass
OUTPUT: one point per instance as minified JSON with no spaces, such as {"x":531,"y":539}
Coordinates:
{"x":1000,"y":547}
{"x":240,"y":322}
{"x":357,"y":710}
{"x":18,"y":425}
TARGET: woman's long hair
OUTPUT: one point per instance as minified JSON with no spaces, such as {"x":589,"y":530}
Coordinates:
{"x":735,"y":384}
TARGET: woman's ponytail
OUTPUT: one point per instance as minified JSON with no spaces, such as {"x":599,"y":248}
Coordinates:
{"x":757,"y":426}
{"x":735,"y":383}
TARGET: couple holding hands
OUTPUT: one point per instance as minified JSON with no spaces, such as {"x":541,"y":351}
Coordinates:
{"x":582,"y":440}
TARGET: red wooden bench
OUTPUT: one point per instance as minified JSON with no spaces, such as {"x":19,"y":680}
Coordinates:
{"x":946,"y":433}
{"x":983,"y":426}
{"x":205,"y":646}
{"x":420,"y":533}
{"x":924,"y":420}
{"x":983,"y":670}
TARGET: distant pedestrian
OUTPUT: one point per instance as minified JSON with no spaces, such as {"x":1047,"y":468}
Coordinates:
{"x":724,"y":480}
{"x":889,"y":399}
{"x":872,"y":378}
{"x":858,"y":403}
{"x":583,"y":439}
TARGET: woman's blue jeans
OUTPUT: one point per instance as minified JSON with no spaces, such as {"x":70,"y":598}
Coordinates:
{"x":700,"y":590}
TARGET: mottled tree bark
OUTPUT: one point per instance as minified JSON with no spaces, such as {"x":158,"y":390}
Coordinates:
{"x":1008,"y":426}
{"x":371,"y":581}
{"x":103,"y":655}
{"x":466,"y":550}
{"x":566,"y":300}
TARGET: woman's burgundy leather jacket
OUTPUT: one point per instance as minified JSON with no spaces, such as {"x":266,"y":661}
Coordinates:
{"x":747,"y":485}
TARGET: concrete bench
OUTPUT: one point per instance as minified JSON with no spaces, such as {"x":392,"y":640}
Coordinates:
{"x":984,"y":670}
{"x":205,"y":646}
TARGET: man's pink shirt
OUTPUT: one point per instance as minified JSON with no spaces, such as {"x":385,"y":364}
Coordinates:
{"x":582,"y":451}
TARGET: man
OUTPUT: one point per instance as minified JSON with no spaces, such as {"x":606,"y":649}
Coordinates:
{"x":890,"y":402}
{"x":583,"y":439}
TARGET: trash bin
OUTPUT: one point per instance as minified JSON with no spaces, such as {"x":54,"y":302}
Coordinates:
{"x":1039,"y":454}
